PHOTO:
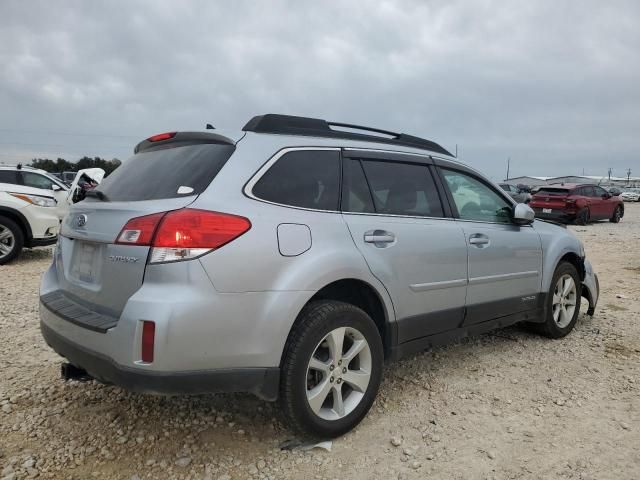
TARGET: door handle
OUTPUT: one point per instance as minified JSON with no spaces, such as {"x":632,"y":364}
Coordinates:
{"x":379,"y":236}
{"x":479,"y":240}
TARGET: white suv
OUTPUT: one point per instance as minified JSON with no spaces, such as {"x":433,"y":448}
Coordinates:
{"x":32,"y":204}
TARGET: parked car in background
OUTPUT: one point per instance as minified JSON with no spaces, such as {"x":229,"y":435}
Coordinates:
{"x":291,"y":260}
{"x":51,"y":186}
{"x":28,"y":218}
{"x":580,"y":203}
{"x":631,"y":195}
{"x":517,"y":192}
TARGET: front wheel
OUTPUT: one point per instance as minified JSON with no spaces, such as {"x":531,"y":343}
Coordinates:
{"x":331,"y":369}
{"x":11,"y":240}
{"x":563,"y":302}
{"x":617,"y":215}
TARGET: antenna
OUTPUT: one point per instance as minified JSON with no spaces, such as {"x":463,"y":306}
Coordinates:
{"x":508,"y":166}
{"x":210,"y":127}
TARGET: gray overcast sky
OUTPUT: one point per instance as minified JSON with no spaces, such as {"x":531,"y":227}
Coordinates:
{"x":555,"y":85}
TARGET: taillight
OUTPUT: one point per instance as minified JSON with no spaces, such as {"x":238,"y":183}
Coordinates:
{"x":189,"y":233}
{"x":148,"y":341}
{"x":139,"y":230}
{"x":182,"y":234}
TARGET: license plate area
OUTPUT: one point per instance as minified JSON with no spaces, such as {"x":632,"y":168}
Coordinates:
{"x":547,"y":210}
{"x":86,"y":264}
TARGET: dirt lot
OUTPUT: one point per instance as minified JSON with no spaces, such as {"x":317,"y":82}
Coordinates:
{"x":504,"y":405}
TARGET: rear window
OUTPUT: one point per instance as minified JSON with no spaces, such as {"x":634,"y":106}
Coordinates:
{"x":166,"y":173}
{"x":553,"y":191}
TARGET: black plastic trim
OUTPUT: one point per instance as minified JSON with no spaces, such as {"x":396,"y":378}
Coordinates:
{"x":315,"y":127}
{"x":61,"y":305}
{"x":40,"y":242}
{"x":261,"y":381}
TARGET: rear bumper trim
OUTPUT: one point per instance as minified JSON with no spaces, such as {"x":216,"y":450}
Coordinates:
{"x":61,"y":305}
{"x":262,"y":382}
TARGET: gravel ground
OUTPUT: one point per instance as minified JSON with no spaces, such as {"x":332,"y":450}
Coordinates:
{"x":504,"y":405}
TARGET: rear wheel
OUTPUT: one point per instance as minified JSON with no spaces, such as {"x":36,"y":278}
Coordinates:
{"x":583,"y":216}
{"x":11,"y":240}
{"x":563,"y":302}
{"x":617,"y":215}
{"x":331,"y":369}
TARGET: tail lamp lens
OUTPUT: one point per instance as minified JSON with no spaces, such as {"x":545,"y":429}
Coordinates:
{"x":183,"y":234}
{"x":139,"y":230}
{"x":148,"y":340}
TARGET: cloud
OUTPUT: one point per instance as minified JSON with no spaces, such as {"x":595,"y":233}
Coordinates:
{"x":551,"y":85}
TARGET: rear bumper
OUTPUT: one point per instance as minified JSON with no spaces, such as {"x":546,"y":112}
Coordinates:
{"x":556,"y":215}
{"x":263,"y":382}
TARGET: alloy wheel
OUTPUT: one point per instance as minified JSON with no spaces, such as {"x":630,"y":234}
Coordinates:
{"x":7,"y":241}
{"x":338,"y":373}
{"x":565,"y":299}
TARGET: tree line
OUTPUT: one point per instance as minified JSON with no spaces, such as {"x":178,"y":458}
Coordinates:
{"x":61,"y":165}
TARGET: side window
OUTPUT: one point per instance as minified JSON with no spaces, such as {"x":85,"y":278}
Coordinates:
{"x":303,"y":178}
{"x":8,"y":176}
{"x":599,"y":191}
{"x":36,"y":180}
{"x":475,"y":200}
{"x":356,"y":196}
{"x":402,"y":188}
{"x":588,"y":192}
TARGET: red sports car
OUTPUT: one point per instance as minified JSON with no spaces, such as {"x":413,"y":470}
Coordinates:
{"x":578,"y":203}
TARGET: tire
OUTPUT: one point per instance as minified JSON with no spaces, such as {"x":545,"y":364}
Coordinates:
{"x":11,"y":240}
{"x":318,"y":326}
{"x":561,"y":326}
{"x":583,"y":216}
{"x":617,"y":215}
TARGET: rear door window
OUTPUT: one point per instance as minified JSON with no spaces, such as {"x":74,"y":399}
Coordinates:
{"x":399,"y":188}
{"x":166,"y":173}
{"x":8,"y":176}
{"x":303,"y":178}
{"x":356,"y":196}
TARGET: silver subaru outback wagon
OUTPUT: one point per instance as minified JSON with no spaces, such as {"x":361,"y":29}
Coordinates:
{"x":292,"y":259}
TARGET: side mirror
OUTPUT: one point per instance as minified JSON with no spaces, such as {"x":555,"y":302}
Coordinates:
{"x":607,"y":195}
{"x":55,"y":187}
{"x":523,"y":214}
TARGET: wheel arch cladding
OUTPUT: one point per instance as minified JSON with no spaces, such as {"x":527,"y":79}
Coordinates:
{"x":362,"y":295}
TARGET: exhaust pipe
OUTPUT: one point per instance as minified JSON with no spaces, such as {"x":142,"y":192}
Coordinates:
{"x":71,"y":372}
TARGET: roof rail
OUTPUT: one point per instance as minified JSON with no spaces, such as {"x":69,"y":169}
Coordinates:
{"x":315,"y":127}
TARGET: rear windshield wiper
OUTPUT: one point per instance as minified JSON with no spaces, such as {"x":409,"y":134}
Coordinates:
{"x":97,"y":194}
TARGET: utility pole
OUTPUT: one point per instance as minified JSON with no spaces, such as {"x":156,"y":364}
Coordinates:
{"x":508,"y":165}
{"x":610,"y":170}
{"x":628,"y":176}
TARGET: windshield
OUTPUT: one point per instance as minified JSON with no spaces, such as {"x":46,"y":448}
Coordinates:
{"x":165,"y":173}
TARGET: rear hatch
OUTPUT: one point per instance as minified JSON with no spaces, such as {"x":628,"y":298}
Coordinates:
{"x":551,"y":197}
{"x":94,"y":272}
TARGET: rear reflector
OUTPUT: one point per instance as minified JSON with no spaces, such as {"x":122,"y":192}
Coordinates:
{"x":182,"y":234}
{"x":162,"y":136}
{"x":148,"y":340}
